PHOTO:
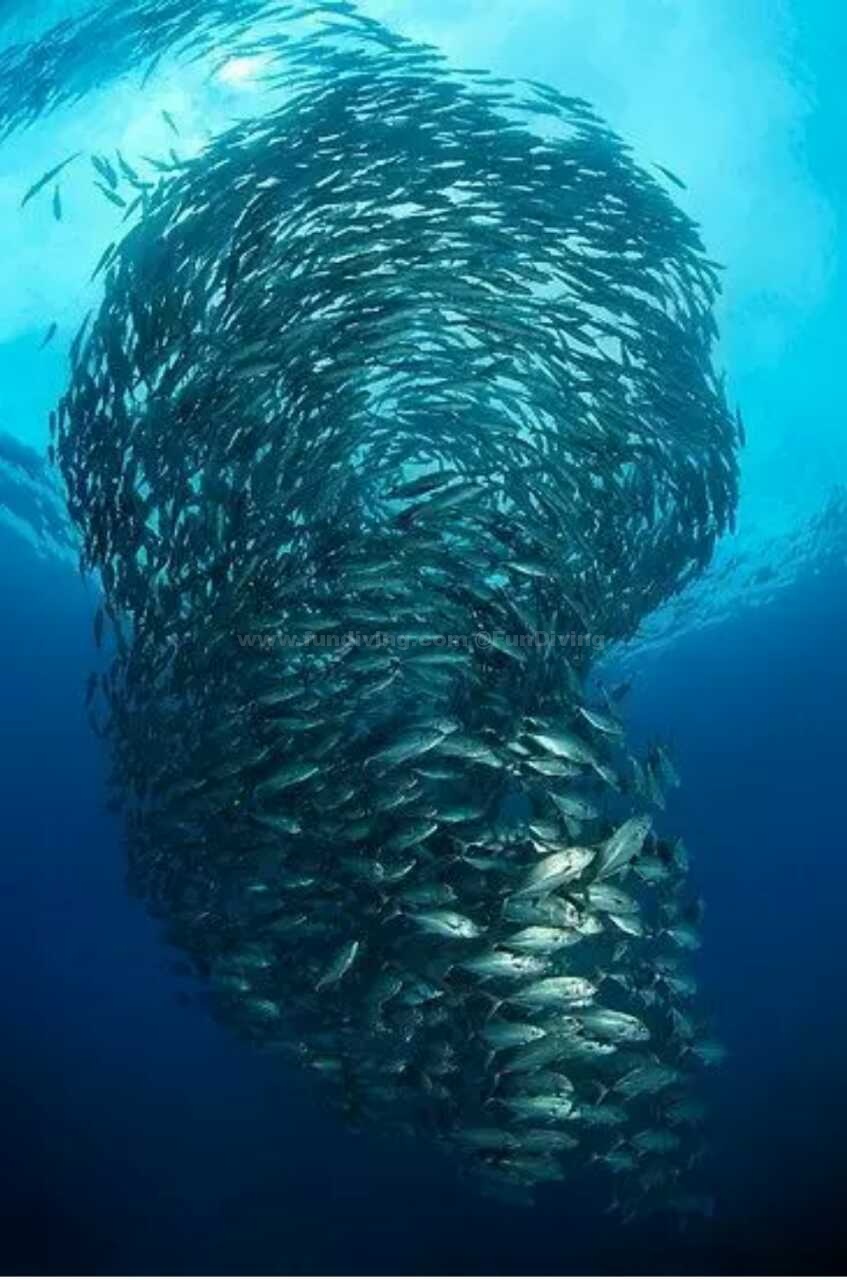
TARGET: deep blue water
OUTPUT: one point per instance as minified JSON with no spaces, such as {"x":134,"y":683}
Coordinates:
{"x":139,"y":1137}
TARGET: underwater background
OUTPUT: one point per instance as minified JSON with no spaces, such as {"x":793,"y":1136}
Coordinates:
{"x":140,"y":1136}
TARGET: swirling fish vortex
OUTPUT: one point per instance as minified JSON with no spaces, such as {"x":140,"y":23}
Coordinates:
{"x":399,"y":406}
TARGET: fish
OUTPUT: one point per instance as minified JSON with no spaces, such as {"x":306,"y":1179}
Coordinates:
{"x":684,"y":935}
{"x":112,"y":196}
{"x":106,"y":170}
{"x":603,"y":896}
{"x":446,"y":924}
{"x":600,"y":1115}
{"x":655,"y":1141}
{"x":549,"y":911}
{"x":711,"y":1052}
{"x":547,"y":1141}
{"x":534,"y":1057}
{"x":553,"y":768}
{"x":573,"y":806}
{"x":508,"y":1035}
{"x":289,"y":775}
{"x":541,"y":1108}
{"x":611,"y":1024}
{"x":651,"y":1078}
{"x":262,"y":1010}
{"x":555,"y":870}
{"x":672,"y":177}
{"x":686,"y":1111}
{"x":601,"y":721}
{"x":542,"y":939}
{"x":619,"y":1161}
{"x":414,"y":744}
{"x":104,"y":260}
{"x":555,"y":992}
{"x":504,"y":964}
{"x":488,"y":1139}
{"x":631,"y":925}
{"x":623,"y":845}
{"x":127,"y":170}
{"x":341,"y":964}
{"x":47,"y":178}
{"x":568,"y":746}
{"x":426,"y":483}
{"x":427,"y":895}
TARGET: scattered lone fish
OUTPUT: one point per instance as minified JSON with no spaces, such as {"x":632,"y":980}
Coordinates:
{"x":47,"y":178}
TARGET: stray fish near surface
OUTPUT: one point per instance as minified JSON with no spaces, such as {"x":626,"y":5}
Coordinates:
{"x":47,"y":178}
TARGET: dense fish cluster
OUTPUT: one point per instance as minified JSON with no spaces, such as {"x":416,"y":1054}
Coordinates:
{"x":398,"y":408}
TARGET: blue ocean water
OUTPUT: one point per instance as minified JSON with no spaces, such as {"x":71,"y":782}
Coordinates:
{"x":139,"y":1137}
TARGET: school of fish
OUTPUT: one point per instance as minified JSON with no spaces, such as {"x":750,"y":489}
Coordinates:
{"x":400,"y":406}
